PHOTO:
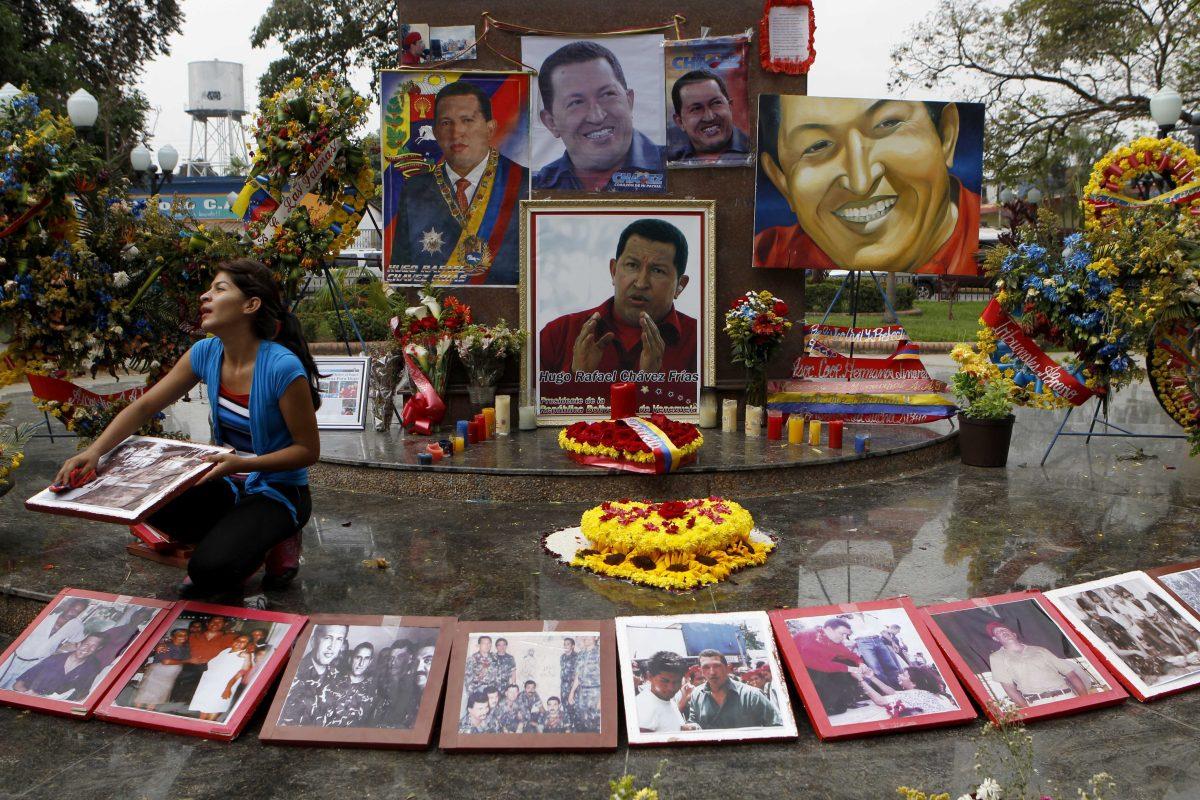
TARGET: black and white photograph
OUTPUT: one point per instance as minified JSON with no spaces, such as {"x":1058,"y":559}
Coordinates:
{"x":1020,"y":655}
{"x":132,"y":480}
{"x":69,"y":652}
{"x":343,"y":388}
{"x":702,"y":677}
{"x":1144,"y":633}
{"x":1185,"y":584}
{"x":531,"y":682}
{"x":599,"y":122}
{"x":202,"y":666}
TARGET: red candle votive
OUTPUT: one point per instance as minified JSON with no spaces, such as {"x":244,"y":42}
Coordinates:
{"x":774,"y":424}
{"x":835,"y":434}
{"x":623,"y":400}
{"x":436,"y":451}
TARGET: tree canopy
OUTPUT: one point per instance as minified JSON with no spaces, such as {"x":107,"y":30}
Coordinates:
{"x":57,"y":46}
{"x":1063,"y":81}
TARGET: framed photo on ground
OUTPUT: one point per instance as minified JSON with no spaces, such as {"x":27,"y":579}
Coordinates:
{"x":702,"y":678}
{"x":1182,"y":581}
{"x":356,"y":681}
{"x":1015,"y":652}
{"x":343,"y":389}
{"x":75,"y":648}
{"x":532,"y":686}
{"x":617,"y":291}
{"x":205,"y":672}
{"x":137,"y":477}
{"x":868,"y":668}
{"x":1145,"y":636}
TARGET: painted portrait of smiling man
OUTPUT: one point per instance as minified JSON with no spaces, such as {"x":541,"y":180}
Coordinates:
{"x":885,"y":185}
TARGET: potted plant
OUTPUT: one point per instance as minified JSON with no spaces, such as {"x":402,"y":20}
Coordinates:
{"x":985,"y":396}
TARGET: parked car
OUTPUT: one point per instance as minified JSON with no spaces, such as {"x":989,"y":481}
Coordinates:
{"x":927,"y":286}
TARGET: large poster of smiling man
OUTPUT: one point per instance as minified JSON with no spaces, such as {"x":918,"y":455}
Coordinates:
{"x":862,"y":184}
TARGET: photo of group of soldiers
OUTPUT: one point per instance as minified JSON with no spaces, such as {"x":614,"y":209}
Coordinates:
{"x":531,"y":683}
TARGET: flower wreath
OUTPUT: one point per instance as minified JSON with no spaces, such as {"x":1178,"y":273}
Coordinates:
{"x":304,"y":145}
{"x":612,"y":442}
{"x":1174,"y":375}
{"x":1112,"y":177}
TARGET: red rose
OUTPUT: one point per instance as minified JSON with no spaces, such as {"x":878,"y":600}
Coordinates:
{"x":429,"y":323}
{"x":672,"y":509}
{"x":781,"y":308}
{"x":741,"y":301}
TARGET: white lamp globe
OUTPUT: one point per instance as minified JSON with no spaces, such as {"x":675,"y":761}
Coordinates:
{"x":1006,"y":195}
{"x":139,"y":158}
{"x":1165,"y":107}
{"x":168,"y":158}
{"x":1034,"y":195}
{"x":83,"y":109}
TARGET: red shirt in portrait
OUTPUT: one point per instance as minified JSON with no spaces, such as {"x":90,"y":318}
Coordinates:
{"x":557,"y":341}
{"x":823,"y":654}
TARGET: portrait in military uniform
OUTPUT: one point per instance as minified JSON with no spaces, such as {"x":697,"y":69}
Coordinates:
{"x":455,"y":150}
{"x":702,"y":677}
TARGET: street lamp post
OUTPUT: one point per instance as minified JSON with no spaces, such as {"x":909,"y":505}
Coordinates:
{"x":1166,"y":108}
{"x":145,"y":171}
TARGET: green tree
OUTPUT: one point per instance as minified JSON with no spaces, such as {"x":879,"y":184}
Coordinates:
{"x":327,"y":36}
{"x":57,"y":46}
{"x":1063,"y":81}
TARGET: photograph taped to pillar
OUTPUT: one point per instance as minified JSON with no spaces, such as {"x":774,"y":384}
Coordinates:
{"x":455,"y":149}
{"x":868,"y":668}
{"x":617,"y":291}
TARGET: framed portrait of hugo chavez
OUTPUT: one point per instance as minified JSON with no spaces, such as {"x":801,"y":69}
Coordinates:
{"x":617,"y":291}
{"x":865,"y":184}
{"x":455,"y":151}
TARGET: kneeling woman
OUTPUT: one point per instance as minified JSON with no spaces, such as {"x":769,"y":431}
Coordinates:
{"x":261,"y":382}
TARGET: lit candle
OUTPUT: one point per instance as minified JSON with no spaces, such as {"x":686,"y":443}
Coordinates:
{"x":708,"y":409}
{"x":460,"y":428}
{"x":503,"y":414}
{"x":527,"y":418}
{"x":459,"y":443}
{"x":489,"y":416}
{"x":729,"y":416}
{"x":425,"y":459}
{"x":814,"y":432}
{"x":774,"y":424}
{"x":435,"y":450}
{"x":795,"y":429}
{"x":862,"y":443}
{"x":754,"y":416}
{"x":835,"y":434}
{"x":622,"y":401}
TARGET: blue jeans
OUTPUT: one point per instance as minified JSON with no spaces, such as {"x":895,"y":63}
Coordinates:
{"x":880,"y":658}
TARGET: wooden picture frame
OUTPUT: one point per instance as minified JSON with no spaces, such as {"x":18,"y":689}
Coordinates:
{"x":421,"y":632}
{"x":544,"y":645}
{"x":118,"y":703}
{"x":693,"y":642}
{"x":1108,"y":631}
{"x":572,"y":224}
{"x":1032,"y":616}
{"x":878,"y":714}
{"x":350,"y":413}
{"x":12,"y":665}
{"x":73,"y":503}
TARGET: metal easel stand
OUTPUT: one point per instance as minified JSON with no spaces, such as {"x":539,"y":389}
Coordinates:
{"x":1121,"y":433}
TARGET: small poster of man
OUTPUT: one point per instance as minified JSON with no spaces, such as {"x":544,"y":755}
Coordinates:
{"x":600,"y":122}
{"x":708,"y":109}
{"x":455,"y":148}
{"x":862,"y":184}
{"x":618,"y":293}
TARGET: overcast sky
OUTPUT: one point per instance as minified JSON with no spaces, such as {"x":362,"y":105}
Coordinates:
{"x":853,"y":59}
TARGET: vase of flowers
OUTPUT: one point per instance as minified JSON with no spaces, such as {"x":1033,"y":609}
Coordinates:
{"x":985,"y":396}
{"x":756,"y":324}
{"x":484,"y":350}
{"x":425,"y":335}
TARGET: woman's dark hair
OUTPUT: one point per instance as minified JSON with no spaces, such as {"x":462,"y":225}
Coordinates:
{"x":925,"y":679}
{"x":273,"y":320}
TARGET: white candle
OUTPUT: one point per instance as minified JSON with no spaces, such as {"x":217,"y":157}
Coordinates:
{"x":708,"y":409}
{"x":754,"y":420}
{"x":729,"y":416}
{"x":527,"y":418}
{"x":503,"y":413}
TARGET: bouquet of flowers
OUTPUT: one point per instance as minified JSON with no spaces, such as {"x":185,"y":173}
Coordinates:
{"x":425,"y":333}
{"x":483,"y":349}
{"x":756,"y":324}
{"x":88,"y":420}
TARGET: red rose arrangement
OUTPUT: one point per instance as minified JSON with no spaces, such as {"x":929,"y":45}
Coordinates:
{"x":613,"y":444}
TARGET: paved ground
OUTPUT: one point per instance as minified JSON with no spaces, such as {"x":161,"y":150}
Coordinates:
{"x":947,"y":533}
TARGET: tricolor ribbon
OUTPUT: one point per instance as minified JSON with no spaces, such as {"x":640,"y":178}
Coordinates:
{"x":667,"y":457}
{"x":1061,"y":382}
{"x":425,"y":408}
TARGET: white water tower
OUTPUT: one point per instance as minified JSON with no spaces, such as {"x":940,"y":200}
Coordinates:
{"x":216,"y":103}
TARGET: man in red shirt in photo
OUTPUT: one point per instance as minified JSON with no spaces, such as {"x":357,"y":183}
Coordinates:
{"x":638,"y":328}
{"x":833,"y":667}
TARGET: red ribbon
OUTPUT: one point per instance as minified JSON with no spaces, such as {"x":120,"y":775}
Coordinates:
{"x":57,"y":390}
{"x":425,"y":408}
{"x":1061,"y":382}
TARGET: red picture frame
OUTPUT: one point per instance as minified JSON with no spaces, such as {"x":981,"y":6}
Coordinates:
{"x":246,"y":705}
{"x":416,"y":737}
{"x":788,"y":66}
{"x":815,"y":707}
{"x":81,"y":709}
{"x":451,"y":739}
{"x":984,"y":696}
